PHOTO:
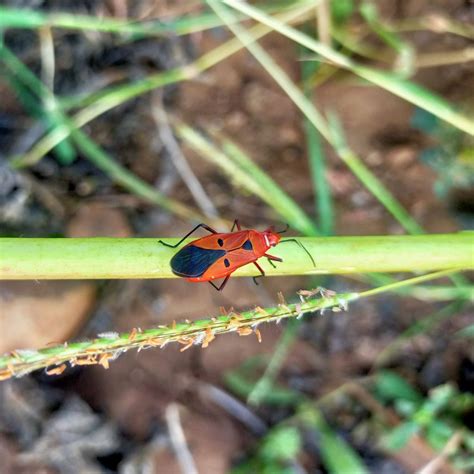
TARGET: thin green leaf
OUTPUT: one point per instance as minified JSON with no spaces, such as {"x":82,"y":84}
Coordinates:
{"x":246,"y":174}
{"x":96,"y":104}
{"x":400,"y":435}
{"x":282,"y":443}
{"x":341,"y":10}
{"x":338,"y":457}
{"x":267,"y":381}
{"x":317,"y":160}
{"x":370,"y":181}
{"x":390,"y":386}
{"x":91,"y":150}
{"x":406,"y":53}
{"x":466,"y":332}
{"x":26,"y":18}
{"x":405,"y":89}
{"x":277,"y":396}
{"x":37,"y":99}
{"x":421,"y":326}
{"x":128,"y":180}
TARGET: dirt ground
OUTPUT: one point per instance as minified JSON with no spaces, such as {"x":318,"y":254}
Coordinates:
{"x":91,"y":420}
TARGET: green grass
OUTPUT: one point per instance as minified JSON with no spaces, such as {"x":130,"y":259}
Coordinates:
{"x":405,"y":89}
{"x":243,"y":173}
{"x":95,"y":104}
{"x":324,"y":205}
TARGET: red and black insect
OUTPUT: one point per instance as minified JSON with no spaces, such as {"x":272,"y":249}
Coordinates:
{"x":218,"y":255}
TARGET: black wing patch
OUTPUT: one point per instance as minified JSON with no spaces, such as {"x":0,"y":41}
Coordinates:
{"x":247,"y":245}
{"x":193,"y":261}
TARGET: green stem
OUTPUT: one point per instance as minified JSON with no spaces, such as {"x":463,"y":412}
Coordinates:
{"x":31,"y":19}
{"x":400,"y":284}
{"x":109,"y":346}
{"x":201,"y":332}
{"x":265,"y":383}
{"x":97,"y":258}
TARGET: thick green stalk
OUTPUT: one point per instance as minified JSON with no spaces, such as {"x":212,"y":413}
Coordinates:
{"x":97,"y":258}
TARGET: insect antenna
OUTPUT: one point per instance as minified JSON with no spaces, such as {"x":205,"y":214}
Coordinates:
{"x":302,"y":246}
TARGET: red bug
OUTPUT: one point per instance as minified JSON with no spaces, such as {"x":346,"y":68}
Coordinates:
{"x":218,"y":255}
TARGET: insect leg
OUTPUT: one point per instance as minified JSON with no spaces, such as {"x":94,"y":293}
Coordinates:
{"x":221,"y":287}
{"x":271,"y":257}
{"x":259,"y":276}
{"x":235,"y":224}
{"x":204,"y":226}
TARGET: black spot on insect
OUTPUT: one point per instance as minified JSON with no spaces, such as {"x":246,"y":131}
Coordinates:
{"x":226,"y":263}
{"x":247,"y":245}
{"x":220,"y":242}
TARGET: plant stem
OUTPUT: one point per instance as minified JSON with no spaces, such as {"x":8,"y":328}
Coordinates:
{"x":98,"y":258}
{"x":109,"y":346}
{"x":31,"y":19}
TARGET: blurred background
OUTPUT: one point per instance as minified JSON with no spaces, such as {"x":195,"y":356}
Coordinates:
{"x":385,"y":387}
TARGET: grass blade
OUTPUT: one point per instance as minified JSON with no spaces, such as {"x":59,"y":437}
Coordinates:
{"x":128,"y":180}
{"x":243,"y":171}
{"x":38,"y":100}
{"x":317,"y":160}
{"x":91,"y":150}
{"x":26,"y":18}
{"x":337,"y":455}
{"x":265,"y":384}
{"x":332,"y":133}
{"x":421,"y":326}
{"x":407,"y":90}
{"x":99,"y":103}
{"x":370,"y":181}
